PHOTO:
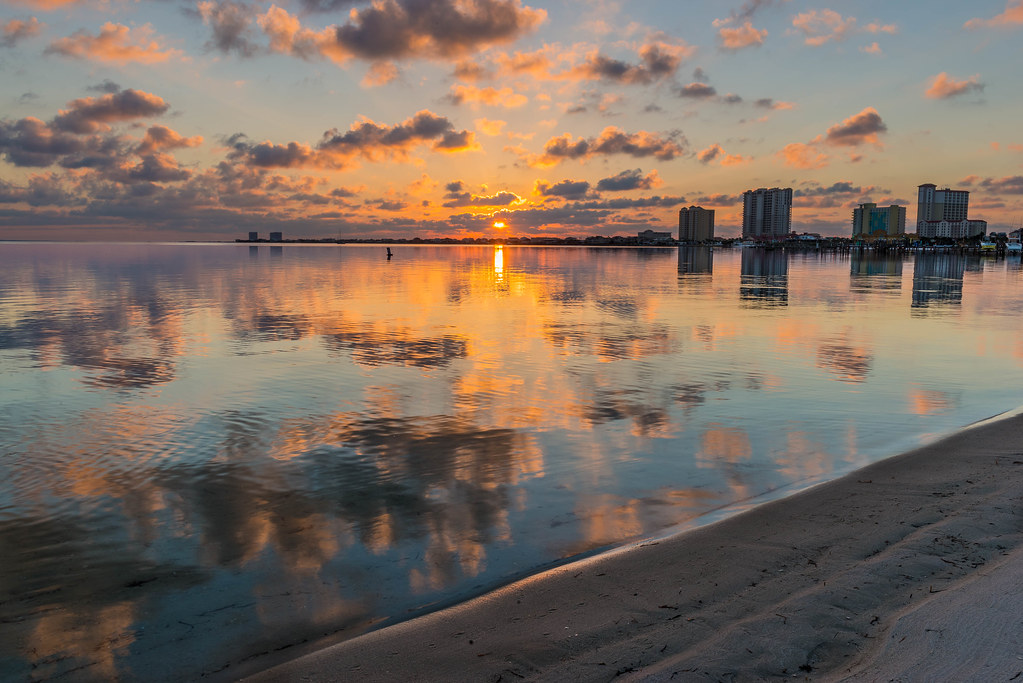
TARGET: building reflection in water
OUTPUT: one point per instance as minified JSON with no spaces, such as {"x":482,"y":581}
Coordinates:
{"x":217,"y":456}
{"x":938,"y":279}
{"x":695,"y":269}
{"x":764,"y":278}
{"x":871,"y":271}
{"x":695,"y":260}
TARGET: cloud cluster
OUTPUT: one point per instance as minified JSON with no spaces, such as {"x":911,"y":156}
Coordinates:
{"x":364,"y":139}
{"x":16,"y":30}
{"x":79,"y":136}
{"x":657,"y":61}
{"x":611,"y":141}
{"x":717,"y":153}
{"x":736,"y":31}
{"x":860,"y":129}
{"x":944,"y":86}
{"x":116,"y":44}
{"x":489,"y":96}
{"x":733,"y":38}
{"x":457,"y":195}
{"x":632,"y":179}
{"x":384,"y":31}
{"x":819,"y":27}
{"x":1013,"y":15}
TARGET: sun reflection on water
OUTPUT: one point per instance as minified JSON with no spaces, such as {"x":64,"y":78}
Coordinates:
{"x":224,"y":447}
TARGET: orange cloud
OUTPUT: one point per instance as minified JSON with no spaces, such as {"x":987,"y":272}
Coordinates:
{"x":490,"y":96}
{"x":489,"y":127}
{"x":1013,"y":14}
{"x":822,"y":26}
{"x":15,"y":31}
{"x":741,"y":37}
{"x":708,"y":155}
{"x":159,"y":138}
{"x":944,"y":86}
{"x":735,"y":160}
{"x":45,"y":5}
{"x":798,"y":155}
{"x":872,"y":49}
{"x":856,"y":130}
{"x":380,"y":73}
{"x":717,"y":152}
{"x":115,"y":43}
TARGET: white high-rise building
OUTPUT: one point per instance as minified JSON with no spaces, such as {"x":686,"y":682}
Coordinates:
{"x":940,"y":205}
{"x":767,"y":213}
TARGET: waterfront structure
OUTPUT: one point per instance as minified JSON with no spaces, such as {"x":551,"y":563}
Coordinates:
{"x":946,"y":204}
{"x":276,"y":237}
{"x":695,"y":224}
{"x":653,"y":237}
{"x":870,"y":219}
{"x":767,"y":213}
{"x":959,"y":229}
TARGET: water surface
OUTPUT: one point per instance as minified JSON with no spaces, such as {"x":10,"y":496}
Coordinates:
{"x":213,"y":452}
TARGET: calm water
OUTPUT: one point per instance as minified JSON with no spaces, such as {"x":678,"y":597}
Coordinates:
{"x":210,"y":452}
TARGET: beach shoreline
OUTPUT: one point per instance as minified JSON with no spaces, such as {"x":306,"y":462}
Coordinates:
{"x":907,"y":569}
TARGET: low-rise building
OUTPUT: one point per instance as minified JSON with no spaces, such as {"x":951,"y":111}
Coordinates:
{"x":654,"y":237}
{"x":956,"y":230}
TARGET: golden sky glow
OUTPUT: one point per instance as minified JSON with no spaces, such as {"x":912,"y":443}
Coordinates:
{"x":324,"y":118}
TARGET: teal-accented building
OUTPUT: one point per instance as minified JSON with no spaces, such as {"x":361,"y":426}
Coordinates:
{"x":871,"y":220}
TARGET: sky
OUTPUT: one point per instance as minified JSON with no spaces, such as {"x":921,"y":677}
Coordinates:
{"x":175,"y":120}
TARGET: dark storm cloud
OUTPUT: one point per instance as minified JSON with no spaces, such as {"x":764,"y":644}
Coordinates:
{"x":328,"y":5}
{"x":457,"y":195}
{"x":31,"y":142}
{"x":396,"y":28}
{"x":855,"y":130}
{"x":657,"y":62}
{"x":638,"y":203}
{"x":89,"y":114}
{"x":612,"y":141}
{"x":841,"y":187}
{"x":1006,"y":185}
{"x":78,"y":136}
{"x":696,"y":90}
{"x":566,"y":189}
{"x":107,"y":86}
{"x":231,"y":23}
{"x":627,"y":180}
{"x":364,"y":139}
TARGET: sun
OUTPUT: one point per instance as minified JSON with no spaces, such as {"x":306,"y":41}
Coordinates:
{"x":500,"y":225}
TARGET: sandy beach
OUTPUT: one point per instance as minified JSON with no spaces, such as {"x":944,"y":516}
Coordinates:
{"x":909,"y":569}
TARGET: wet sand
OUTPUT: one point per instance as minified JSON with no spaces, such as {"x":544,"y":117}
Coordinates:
{"x":909,"y":569}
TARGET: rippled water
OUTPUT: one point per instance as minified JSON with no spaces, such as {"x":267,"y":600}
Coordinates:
{"x":214,"y":452}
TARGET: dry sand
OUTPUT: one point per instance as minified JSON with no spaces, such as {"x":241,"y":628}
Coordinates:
{"x":910,"y":569}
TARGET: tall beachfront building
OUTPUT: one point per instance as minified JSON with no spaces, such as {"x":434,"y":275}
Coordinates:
{"x":871,"y":219}
{"x":767,"y":214}
{"x":943,"y":213}
{"x":695,"y":224}
{"x":933,"y":204}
